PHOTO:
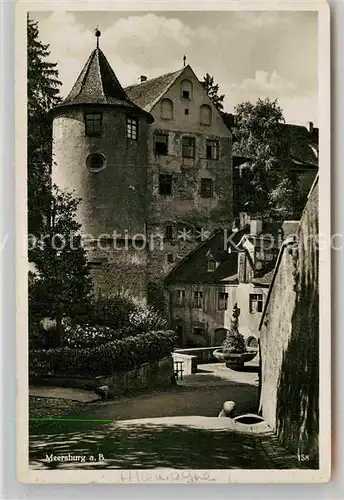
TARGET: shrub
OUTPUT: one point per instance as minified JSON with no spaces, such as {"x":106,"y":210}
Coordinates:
{"x":146,"y":318}
{"x":80,"y":336}
{"x":121,"y":313}
{"x":113,"y":312}
{"x":116,"y":356}
{"x":234,"y":343}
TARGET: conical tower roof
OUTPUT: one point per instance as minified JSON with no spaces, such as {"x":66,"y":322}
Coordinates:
{"x":98,"y":84}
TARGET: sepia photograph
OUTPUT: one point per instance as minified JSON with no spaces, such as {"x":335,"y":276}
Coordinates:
{"x":173,"y":239}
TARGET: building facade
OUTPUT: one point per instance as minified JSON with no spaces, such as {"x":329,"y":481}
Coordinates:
{"x":229,"y":268}
{"x":151,"y":165}
{"x":190,"y":166}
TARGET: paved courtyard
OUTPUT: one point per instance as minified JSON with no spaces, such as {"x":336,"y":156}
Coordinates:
{"x":175,"y":442}
{"x":177,"y":429}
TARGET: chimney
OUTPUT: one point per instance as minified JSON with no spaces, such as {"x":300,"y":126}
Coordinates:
{"x":143,"y":78}
{"x":310,"y":127}
{"x":256,"y":226}
{"x":244,"y":220}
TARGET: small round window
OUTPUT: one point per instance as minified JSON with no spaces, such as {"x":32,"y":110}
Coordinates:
{"x":95,"y":162}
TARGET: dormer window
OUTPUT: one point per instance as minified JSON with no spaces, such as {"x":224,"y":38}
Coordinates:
{"x":93,"y":124}
{"x":132,"y":128}
{"x":186,"y":89}
{"x":211,"y":264}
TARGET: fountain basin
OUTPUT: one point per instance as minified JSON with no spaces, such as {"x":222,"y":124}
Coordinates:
{"x":233,"y":359}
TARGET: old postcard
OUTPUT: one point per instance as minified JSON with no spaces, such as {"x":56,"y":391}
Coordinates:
{"x":173,"y":242}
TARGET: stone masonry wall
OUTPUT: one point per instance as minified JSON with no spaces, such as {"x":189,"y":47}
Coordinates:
{"x":115,"y":198}
{"x":290,"y":343}
{"x":185,"y":209}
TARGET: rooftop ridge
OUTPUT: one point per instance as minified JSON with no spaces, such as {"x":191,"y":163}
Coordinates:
{"x":150,"y":80}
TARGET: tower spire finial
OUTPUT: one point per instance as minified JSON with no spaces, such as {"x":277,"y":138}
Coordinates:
{"x":184,"y":60}
{"x":97,"y":33}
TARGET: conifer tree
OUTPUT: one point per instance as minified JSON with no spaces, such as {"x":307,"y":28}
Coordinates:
{"x":42,"y":94}
{"x":212,"y":90}
{"x":61,"y":284}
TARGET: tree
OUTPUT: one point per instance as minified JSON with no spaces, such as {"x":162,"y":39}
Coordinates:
{"x":264,"y":182}
{"x":42,"y":94}
{"x":212,"y":89}
{"x":61,"y":286}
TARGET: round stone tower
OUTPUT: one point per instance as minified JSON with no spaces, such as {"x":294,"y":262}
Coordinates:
{"x":100,"y":151}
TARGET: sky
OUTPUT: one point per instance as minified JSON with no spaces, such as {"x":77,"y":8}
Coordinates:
{"x":250,"y":54}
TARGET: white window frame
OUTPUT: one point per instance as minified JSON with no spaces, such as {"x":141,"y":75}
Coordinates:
{"x":256,"y":302}
{"x":132,"y":128}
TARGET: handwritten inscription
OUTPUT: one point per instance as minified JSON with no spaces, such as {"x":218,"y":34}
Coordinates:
{"x":132,"y":476}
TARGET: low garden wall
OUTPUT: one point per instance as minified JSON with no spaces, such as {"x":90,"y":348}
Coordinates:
{"x":203,"y":354}
{"x":189,"y":362}
{"x":154,"y":375}
{"x":134,"y":363}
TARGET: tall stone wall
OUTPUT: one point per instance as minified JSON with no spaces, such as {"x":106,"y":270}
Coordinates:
{"x":289,"y":339}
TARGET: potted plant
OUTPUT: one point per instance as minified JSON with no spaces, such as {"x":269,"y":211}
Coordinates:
{"x":234,"y":351}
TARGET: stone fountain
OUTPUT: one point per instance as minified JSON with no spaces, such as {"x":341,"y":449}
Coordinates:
{"x":234,"y":351}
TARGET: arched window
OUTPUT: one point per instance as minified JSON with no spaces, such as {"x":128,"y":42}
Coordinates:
{"x":205,"y":118}
{"x":186,"y":89}
{"x":166,"y":109}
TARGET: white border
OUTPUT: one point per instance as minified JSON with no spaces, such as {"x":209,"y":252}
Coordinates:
{"x":221,"y":476}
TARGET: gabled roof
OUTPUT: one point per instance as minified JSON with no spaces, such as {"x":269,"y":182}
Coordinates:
{"x":265,"y":279}
{"x":148,"y":93}
{"x":303,"y":143}
{"x":98,"y":84}
{"x":268,"y":241}
{"x":194,"y":268}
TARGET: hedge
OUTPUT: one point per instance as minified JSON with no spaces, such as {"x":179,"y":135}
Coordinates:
{"x":115,"y":356}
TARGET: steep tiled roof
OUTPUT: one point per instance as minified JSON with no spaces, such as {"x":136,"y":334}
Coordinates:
{"x":194,"y":268}
{"x":263,"y":240}
{"x":303,"y":144}
{"x":147,"y":93}
{"x":98,"y":84}
{"x":265,"y":279}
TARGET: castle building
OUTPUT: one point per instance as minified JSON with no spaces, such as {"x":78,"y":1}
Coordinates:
{"x":190,"y":165}
{"x":151,"y":165}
